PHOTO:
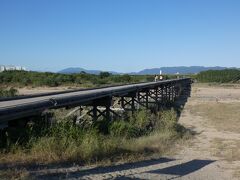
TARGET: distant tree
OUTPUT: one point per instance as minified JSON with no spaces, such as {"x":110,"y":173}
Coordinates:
{"x":126,"y":78}
{"x":104,"y":75}
{"x":32,"y":78}
{"x":26,"y":81}
{"x":150,"y":78}
{"x":219,"y":76}
{"x":83,"y":72}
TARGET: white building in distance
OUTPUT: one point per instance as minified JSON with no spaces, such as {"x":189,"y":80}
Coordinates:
{"x":12,"y":68}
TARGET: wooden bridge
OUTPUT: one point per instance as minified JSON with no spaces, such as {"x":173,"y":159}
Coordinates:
{"x":102,"y":102}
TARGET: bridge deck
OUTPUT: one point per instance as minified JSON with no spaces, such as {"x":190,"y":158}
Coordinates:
{"x":26,"y":105}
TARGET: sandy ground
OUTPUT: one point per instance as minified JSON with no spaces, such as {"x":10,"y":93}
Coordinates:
{"x":197,"y":160}
{"x":39,"y":90}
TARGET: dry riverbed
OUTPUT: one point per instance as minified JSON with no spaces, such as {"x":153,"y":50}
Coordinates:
{"x":212,"y":113}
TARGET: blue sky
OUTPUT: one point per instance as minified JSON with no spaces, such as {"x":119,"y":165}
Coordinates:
{"x":119,"y":35}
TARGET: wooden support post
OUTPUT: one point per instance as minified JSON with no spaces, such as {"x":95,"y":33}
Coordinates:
{"x":147,"y":93}
{"x":173,"y":98}
{"x":157,"y":98}
{"x":138,"y":100}
{"x":169,"y":93}
{"x":175,"y":92}
{"x":132,"y":104}
{"x":94,"y":113}
{"x":122,"y":103}
{"x":166,"y":94}
{"x":79,"y":112}
{"x":108,"y":113}
{"x":162,"y":94}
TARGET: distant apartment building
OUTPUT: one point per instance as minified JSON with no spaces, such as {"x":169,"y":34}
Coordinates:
{"x":12,"y":68}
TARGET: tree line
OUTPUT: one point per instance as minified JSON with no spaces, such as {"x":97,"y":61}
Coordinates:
{"x":31,"y":78}
{"x":219,"y":76}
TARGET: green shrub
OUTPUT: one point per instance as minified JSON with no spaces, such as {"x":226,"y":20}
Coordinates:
{"x":8,"y":93}
{"x":123,"y":128}
{"x":142,"y":119}
{"x":133,"y":126}
{"x":168,"y":122}
{"x":143,"y":132}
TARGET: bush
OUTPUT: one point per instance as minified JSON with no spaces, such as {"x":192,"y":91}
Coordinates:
{"x":104,"y":75}
{"x":126,"y":78}
{"x":123,"y":129}
{"x":133,"y":126}
{"x":142,"y":119}
{"x":8,"y":93}
{"x":64,"y":141}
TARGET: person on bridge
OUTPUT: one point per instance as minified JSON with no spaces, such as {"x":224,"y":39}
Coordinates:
{"x":156,"y":78}
{"x":160,"y":77}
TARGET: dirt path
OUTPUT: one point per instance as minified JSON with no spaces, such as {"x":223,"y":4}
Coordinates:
{"x":199,"y":160}
{"x":39,"y":90}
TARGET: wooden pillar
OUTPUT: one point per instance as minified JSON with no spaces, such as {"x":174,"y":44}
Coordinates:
{"x":132,"y":104}
{"x":173,"y":96}
{"x":169,"y":93}
{"x":147,"y":94}
{"x":162,"y":94}
{"x":94,"y":112}
{"x":157,"y":97}
{"x":122,"y":103}
{"x":108,"y":113}
{"x":166,"y":93}
{"x":138,"y":100}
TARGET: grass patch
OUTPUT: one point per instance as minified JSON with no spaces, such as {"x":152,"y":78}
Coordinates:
{"x":226,"y":149}
{"x":237,"y":174}
{"x":14,"y":174}
{"x":135,"y":136}
{"x":223,"y":116}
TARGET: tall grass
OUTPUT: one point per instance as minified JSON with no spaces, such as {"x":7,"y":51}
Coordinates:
{"x":141,"y":133}
{"x":8,"y":92}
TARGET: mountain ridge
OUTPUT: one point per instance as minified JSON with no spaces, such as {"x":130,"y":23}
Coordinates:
{"x":150,"y":71}
{"x":73,"y":70}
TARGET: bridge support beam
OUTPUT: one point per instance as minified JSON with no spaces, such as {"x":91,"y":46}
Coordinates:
{"x":159,"y":96}
{"x":104,"y":112}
